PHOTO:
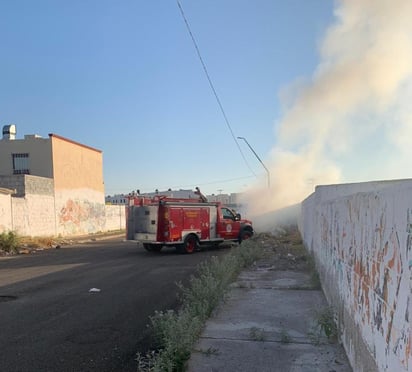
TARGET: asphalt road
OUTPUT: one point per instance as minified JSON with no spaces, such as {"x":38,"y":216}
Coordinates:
{"x":49,"y":321}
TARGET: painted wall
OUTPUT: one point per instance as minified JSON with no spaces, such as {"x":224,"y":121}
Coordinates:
{"x":79,"y":187}
{"x":34,"y":215}
{"x":361,"y":238}
{"x":76,"y":166}
{"x":36,"y":210}
{"x":79,"y":211}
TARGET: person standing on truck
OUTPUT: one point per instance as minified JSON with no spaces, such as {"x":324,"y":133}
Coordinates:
{"x":202,"y":198}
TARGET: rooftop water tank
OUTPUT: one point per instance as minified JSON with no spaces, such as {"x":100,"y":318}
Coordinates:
{"x":9,"y":132}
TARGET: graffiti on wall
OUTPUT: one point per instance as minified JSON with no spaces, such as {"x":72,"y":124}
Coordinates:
{"x":77,"y":216}
{"x":367,"y":250}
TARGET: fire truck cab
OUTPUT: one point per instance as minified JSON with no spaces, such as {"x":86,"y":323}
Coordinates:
{"x":183,"y":223}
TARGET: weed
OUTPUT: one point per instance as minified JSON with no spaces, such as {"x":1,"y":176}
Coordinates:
{"x":145,"y":362}
{"x":326,"y":321}
{"x":9,"y":242}
{"x":285,"y":337}
{"x":177,"y":331}
{"x":257,"y":334}
{"x":324,"y":325}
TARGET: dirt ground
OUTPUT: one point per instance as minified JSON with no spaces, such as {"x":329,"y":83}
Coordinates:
{"x":285,"y":249}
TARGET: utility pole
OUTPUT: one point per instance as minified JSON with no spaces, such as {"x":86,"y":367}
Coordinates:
{"x":261,"y":162}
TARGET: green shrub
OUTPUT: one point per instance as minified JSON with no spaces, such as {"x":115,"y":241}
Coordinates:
{"x":177,"y":331}
{"x":9,"y":242}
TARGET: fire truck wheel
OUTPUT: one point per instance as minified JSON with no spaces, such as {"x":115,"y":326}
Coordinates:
{"x":245,"y":235}
{"x":190,"y":244}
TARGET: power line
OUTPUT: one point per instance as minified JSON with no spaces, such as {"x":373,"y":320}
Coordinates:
{"x":212,"y":86}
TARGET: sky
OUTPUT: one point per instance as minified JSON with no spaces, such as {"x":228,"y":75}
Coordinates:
{"x":124,"y":77}
{"x":320,"y":89}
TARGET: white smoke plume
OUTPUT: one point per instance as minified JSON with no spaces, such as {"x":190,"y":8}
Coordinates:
{"x":352,"y":120}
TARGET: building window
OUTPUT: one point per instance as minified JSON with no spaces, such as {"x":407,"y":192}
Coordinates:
{"x":21,"y":163}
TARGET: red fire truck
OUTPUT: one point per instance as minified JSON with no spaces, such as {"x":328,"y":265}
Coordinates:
{"x":184,"y":223}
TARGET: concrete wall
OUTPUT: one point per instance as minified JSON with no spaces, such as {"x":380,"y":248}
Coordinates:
{"x":33,"y":215}
{"x":32,"y":205}
{"x":361,"y":237}
{"x":115,"y":217}
{"x":36,"y":210}
{"x":31,"y":209}
{"x":79,"y":211}
{"x":6,"y":221}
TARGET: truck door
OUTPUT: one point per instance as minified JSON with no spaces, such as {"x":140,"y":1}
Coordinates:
{"x":176,"y":223}
{"x":229,"y":227}
{"x":146,"y":223}
{"x":205,"y":223}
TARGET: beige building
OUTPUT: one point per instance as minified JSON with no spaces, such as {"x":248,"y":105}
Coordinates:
{"x":69,"y":163}
{"x":64,"y":176}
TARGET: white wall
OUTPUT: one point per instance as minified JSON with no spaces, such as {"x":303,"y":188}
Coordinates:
{"x":33,"y":215}
{"x":38,"y":215}
{"x":6,"y":222}
{"x":361,"y":237}
{"x":115,"y":217}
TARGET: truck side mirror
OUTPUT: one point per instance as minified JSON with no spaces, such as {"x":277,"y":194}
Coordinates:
{"x":238,"y":217}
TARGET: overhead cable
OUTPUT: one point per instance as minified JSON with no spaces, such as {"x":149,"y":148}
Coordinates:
{"x":212,"y":86}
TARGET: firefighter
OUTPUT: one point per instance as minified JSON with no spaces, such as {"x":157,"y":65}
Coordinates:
{"x":202,"y":198}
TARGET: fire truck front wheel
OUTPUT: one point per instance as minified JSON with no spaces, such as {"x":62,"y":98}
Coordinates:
{"x":245,"y":234}
{"x":190,"y":244}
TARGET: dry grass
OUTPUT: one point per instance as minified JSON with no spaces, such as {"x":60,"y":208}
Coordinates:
{"x":37,"y":242}
{"x":28,"y":244}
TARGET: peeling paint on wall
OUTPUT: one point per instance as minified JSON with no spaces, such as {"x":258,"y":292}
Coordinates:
{"x":362,"y":244}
